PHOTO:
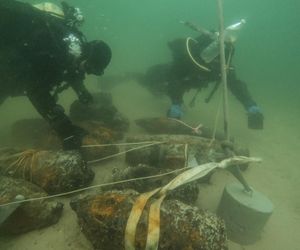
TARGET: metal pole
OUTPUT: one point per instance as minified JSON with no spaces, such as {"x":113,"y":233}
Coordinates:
{"x":223,"y":69}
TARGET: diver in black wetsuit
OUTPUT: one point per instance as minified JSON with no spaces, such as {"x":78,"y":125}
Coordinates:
{"x":189,"y":70}
{"x":41,"y":55}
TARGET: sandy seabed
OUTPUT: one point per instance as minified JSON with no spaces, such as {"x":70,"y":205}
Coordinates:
{"x":277,"y":176}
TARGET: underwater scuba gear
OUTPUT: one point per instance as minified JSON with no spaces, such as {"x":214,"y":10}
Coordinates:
{"x":74,"y":45}
{"x":191,"y":56}
{"x":201,"y":30}
{"x":50,"y":8}
{"x":73,"y":15}
{"x":41,"y":62}
{"x":212,"y":50}
{"x":217,"y":84}
{"x":230,"y":32}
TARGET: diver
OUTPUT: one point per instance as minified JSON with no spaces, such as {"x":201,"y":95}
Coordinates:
{"x":42,"y":54}
{"x":196,"y":63}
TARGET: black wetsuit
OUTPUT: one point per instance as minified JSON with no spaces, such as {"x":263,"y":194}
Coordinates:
{"x":35,"y":61}
{"x":182,"y":74}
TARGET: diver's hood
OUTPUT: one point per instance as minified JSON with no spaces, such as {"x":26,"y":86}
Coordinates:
{"x":97,"y":55}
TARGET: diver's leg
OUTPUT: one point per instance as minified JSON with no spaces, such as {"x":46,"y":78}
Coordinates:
{"x":156,"y":78}
{"x":176,"y":90}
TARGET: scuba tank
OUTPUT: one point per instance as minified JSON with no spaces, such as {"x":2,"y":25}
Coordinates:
{"x":50,"y":8}
{"x":230,"y":35}
{"x":72,"y":15}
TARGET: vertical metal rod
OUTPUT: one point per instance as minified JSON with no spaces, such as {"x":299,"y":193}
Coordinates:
{"x":223,"y":69}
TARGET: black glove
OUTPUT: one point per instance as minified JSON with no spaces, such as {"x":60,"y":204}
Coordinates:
{"x":70,"y":134}
{"x":74,"y":141}
{"x":255,"y":118}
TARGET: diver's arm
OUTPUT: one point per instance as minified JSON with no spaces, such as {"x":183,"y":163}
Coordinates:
{"x":76,"y":81}
{"x":239,"y":90}
{"x":83,"y":94}
{"x":54,"y":114}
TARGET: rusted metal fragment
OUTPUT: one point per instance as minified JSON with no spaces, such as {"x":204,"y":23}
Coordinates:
{"x":176,"y":152}
{"x":103,"y":219}
{"x":53,"y":171}
{"x":29,"y":215}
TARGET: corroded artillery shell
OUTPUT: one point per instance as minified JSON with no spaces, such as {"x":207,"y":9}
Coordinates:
{"x":98,"y":135}
{"x":164,"y":125}
{"x":175,"y":150}
{"x":53,"y":171}
{"x":103,"y":219}
{"x":187,"y":193}
{"x":29,"y":215}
